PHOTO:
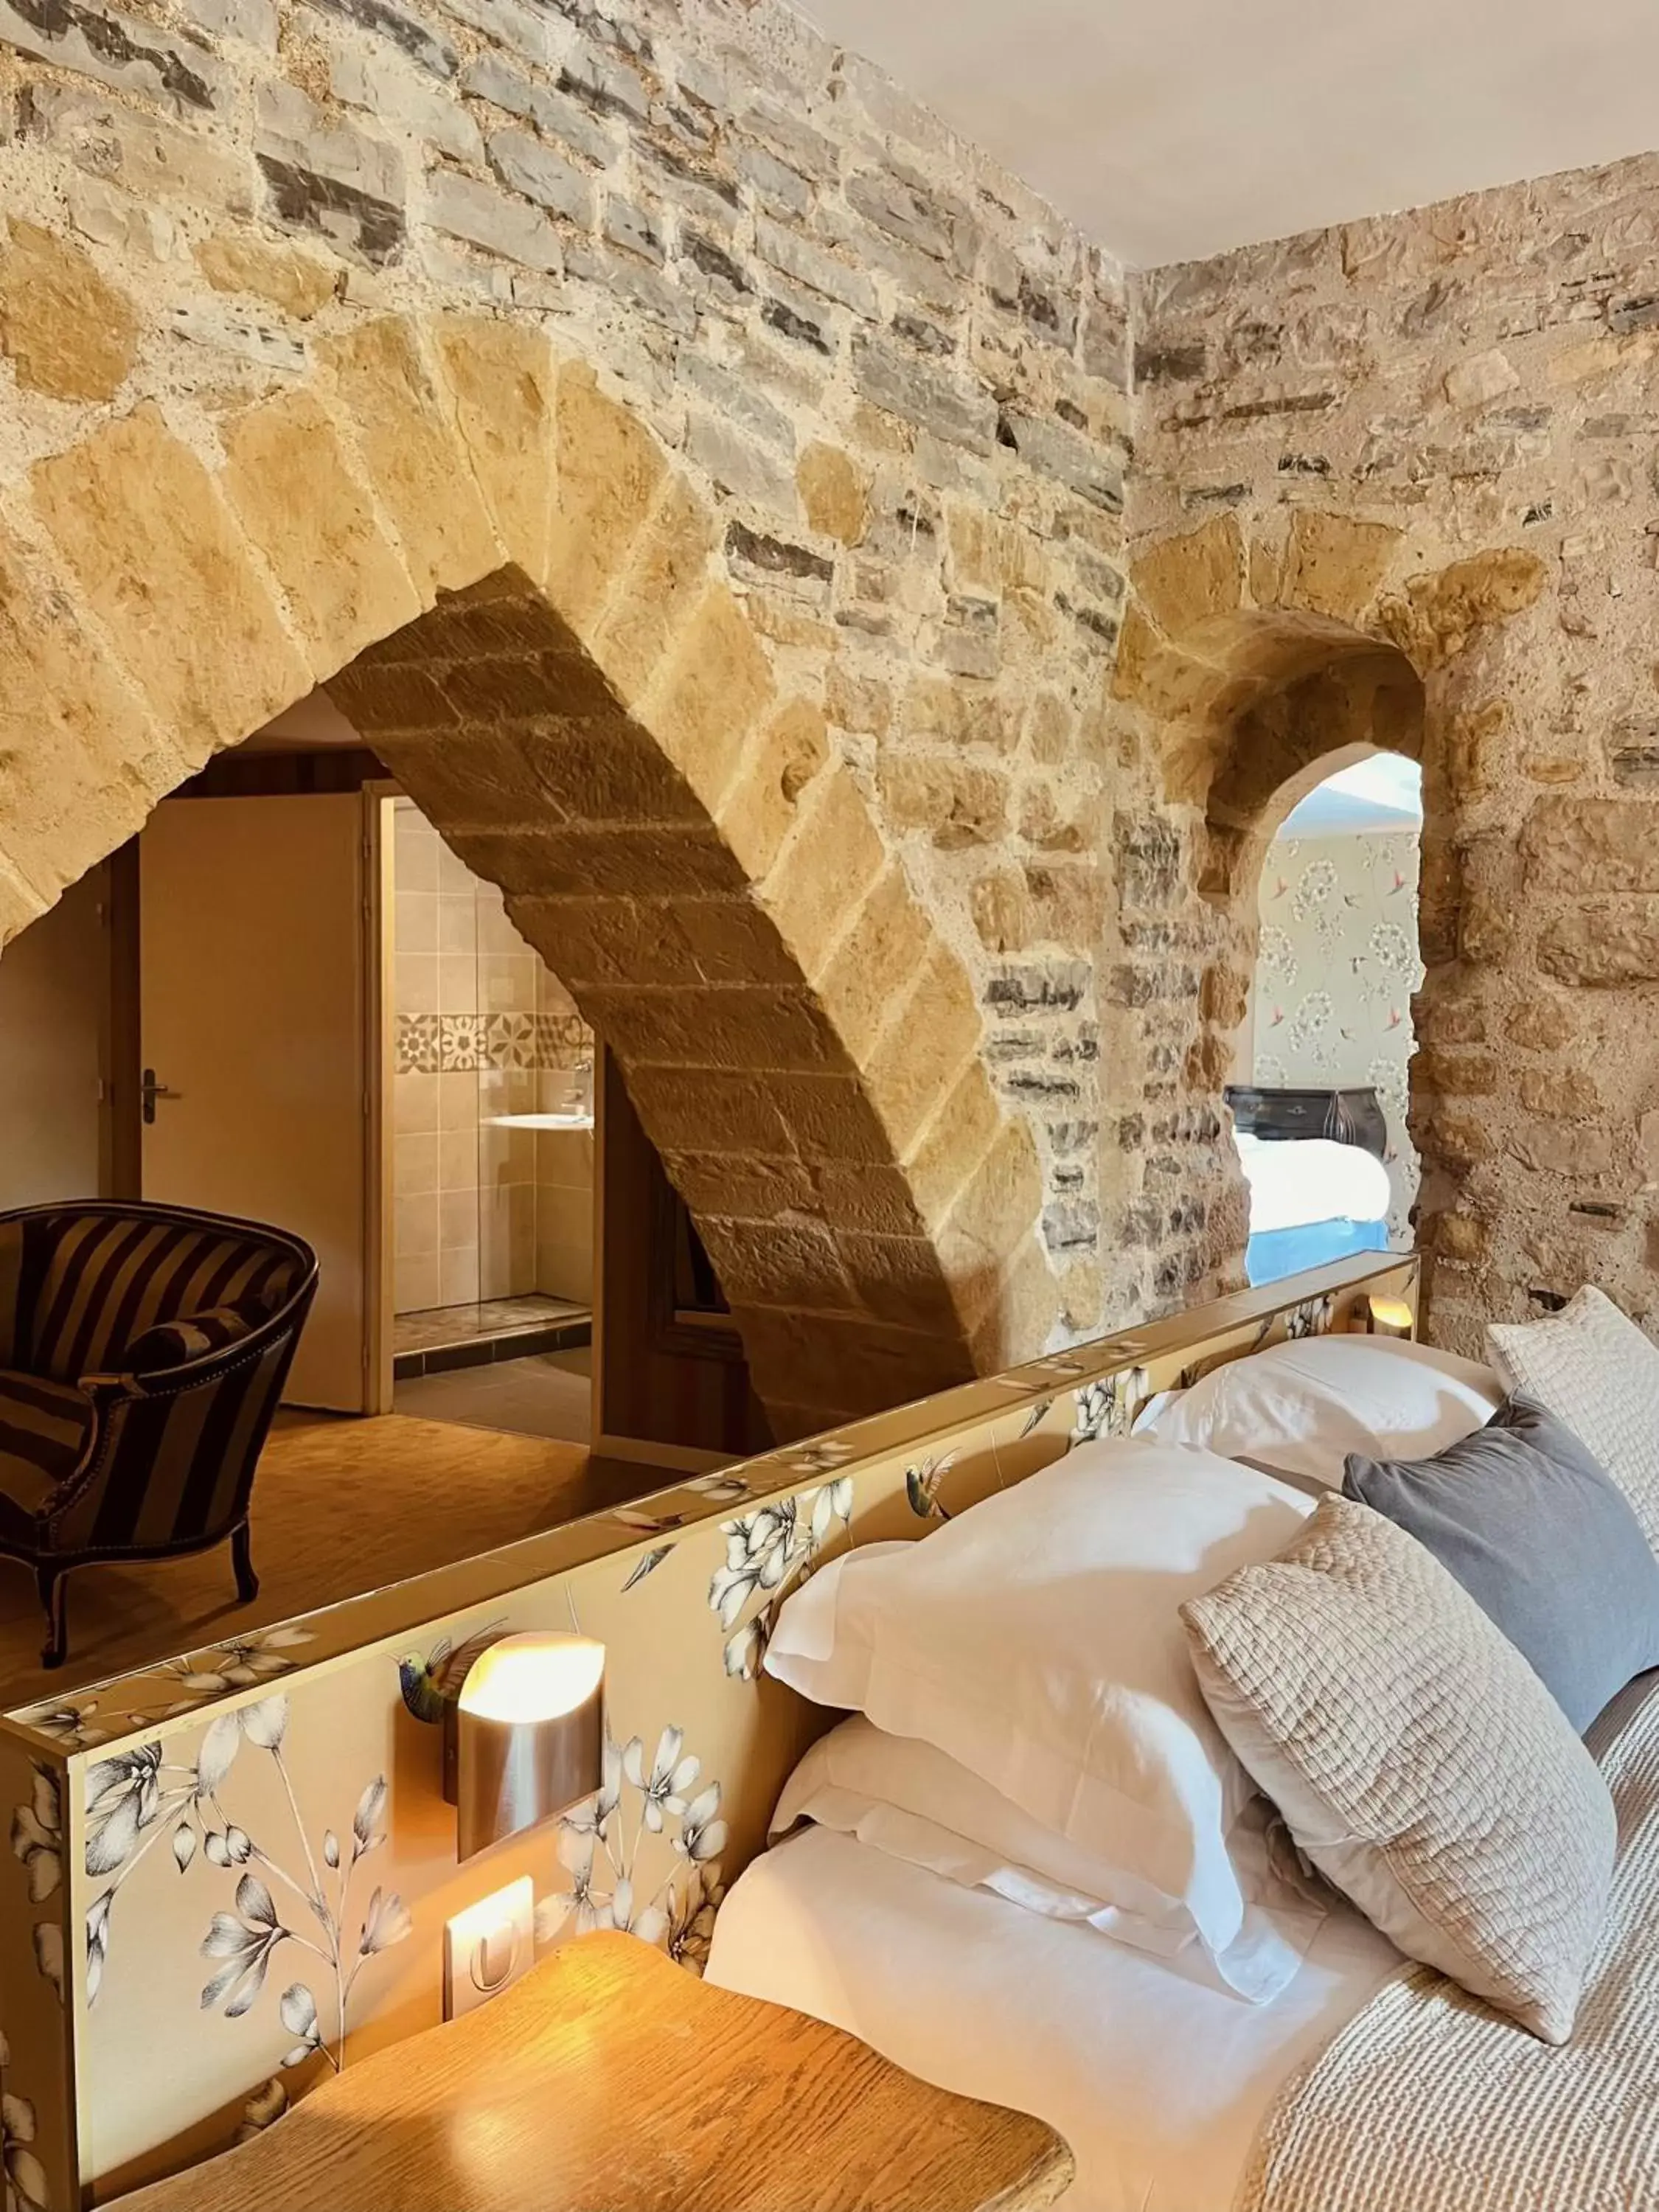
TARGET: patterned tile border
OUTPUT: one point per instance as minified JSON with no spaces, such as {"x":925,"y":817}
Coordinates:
{"x":435,"y":1044}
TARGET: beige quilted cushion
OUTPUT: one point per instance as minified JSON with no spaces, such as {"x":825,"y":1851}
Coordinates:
{"x":1595,"y":1370}
{"x":1418,"y":1760}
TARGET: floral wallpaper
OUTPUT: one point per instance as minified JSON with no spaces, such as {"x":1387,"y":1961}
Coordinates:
{"x":1336,"y":968}
{"x":230,"y":1873}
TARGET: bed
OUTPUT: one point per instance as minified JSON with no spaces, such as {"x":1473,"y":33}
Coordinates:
{"x":1388,"y":2069}
{"x":1312,"y":1200}
{"x":1159,"y":2083}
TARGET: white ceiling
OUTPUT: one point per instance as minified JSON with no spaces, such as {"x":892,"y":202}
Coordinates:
{"x":1174,"y":128}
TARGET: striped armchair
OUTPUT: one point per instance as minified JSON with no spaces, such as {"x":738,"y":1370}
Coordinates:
{"x":142,"y":1351}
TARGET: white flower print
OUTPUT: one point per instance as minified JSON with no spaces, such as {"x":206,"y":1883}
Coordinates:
{"x":766,"y":1551}
{"x":702,"y":1833}
{"x":1277,"y":954}
{"x":600,"y":1843}
{"x":1316,"y":887}
{"x":136,"y":1796}
{"x":71,"y":1725}
{"x":1106,"y":1407}
{"x":26,"y":2186}
{"x":246,"y":1938}
{"x":757,"y":1551}
{"x":1392,"y":949}
{"x":49,"y":1953}
{"x":577,"y":1847}
{"x":664,"y":1789}
{"x":123,"y":1798}
{"x":1311,"y":1018}
{"x":690,"y":1924}
{"x":36,"y":1836}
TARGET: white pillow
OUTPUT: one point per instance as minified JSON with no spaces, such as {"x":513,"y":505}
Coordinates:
{"x":910,"y":1801}
{"x":1594,"y":1369}
{"x":1303,"y":1408}
{"x":1036,"y":1639}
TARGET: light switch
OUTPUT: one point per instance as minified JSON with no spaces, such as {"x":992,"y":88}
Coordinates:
{"x":487,"y":1947}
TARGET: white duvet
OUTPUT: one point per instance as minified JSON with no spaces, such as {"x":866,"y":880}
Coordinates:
{"x":1298,"y":1180}
{"x":1156,"y":2081}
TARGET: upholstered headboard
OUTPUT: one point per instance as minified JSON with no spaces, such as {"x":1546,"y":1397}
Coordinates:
{"x":230,"y":1872}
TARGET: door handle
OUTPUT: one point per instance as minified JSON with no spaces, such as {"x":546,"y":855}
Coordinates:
{"x":149,"y":1091}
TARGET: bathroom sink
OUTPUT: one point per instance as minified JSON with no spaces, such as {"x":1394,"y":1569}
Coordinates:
{"x":574,"y":1119}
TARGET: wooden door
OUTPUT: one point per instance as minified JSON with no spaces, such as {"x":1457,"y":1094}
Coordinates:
{"x":670,"y":1383}
{"x":258,"y":1003}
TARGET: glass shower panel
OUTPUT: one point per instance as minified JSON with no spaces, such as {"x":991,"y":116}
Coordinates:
{"x":506,"y":972}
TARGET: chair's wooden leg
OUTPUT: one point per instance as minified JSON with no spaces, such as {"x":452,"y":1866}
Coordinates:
{"x":241,"y":1553}
{"x":53,"y":1583}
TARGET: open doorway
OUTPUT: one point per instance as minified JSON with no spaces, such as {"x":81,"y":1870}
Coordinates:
{"x":492,"y":1144}
{"x":1321,"y":1121}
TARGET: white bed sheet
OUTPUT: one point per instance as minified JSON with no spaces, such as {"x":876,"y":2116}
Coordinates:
{"x":1158,"y":2082}
{"x":1295,"y":1182}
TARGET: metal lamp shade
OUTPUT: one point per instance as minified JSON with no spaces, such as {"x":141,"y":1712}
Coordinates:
{"x":529,"y":1736}
{"x":1389,"y":1317}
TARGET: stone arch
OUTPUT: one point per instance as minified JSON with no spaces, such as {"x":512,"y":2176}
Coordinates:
{"x":512,"y":589}
{"x":1253,"y":659}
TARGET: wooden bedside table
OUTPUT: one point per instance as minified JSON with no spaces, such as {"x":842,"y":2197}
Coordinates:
{"x":609,"y":2079}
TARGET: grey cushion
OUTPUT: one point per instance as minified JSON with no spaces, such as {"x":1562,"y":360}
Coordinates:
{"x":1542,"y":1540}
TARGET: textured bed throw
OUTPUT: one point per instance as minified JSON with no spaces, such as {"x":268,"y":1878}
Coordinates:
{"x":1430,"y":2100}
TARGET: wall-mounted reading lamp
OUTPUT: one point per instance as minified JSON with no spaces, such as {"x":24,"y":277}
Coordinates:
{"x":1389,"y":1317}
{"x":524,"y":1739}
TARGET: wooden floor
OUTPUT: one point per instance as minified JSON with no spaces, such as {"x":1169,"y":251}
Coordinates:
{"x":340,"y":1506}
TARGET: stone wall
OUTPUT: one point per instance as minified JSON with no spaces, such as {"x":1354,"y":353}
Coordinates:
{"x":1432,"y":438}
{"x":842,"y":517}
{"x":702,"y":476}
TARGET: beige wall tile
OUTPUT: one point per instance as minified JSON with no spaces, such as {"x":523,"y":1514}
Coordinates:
{"x":458,"y":923}
{"x":414,"y":1104}
{"x":458,"y":981}
{"x":415,"y":851}
{"x":458,"y":1160}
{"x":415,"y":924}
{"x":414,"y":1226}
{"x":565,"y":1271}
{"x":458,"y":1221}
{"x":454,"y":874}
{"x":458,"y":1277}
{"x":415,"y":1283}
{"x":506,"y":982}
{"x":458,"y":1100}
{"x":415,"y":1164}
{"x":415,"y":983}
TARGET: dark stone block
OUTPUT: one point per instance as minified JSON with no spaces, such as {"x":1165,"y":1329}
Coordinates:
{"x":775,"y":557}
{"x":1047,"y":314}
{"x":1043,"y":1089}
{"x":704,"y":254}
{"x":305,"y":201}
{"x":801,"y":328}
{"x":1071,"y":1224}
{"x":1019,"y":990}
{"x":696,"y":174}
{"x":951,"y":408}
{"x":120,"y":44}
{"x":416,"y":41}
{"x":925,"y":337}
{"x":1171,"y":364}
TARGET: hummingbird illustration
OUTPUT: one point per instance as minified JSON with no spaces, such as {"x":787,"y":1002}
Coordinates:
{"x":429,"y":1683}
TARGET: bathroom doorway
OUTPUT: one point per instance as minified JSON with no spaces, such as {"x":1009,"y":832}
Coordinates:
{"x":491,"y":1143}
